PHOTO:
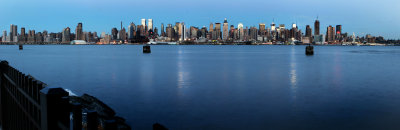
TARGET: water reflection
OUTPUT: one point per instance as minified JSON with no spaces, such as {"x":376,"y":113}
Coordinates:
{"x":293,"y":79}
{"x":182,"y":74}
{"x":293,"y":74}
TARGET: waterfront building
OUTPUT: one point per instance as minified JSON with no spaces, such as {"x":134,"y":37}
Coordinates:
{"x":261,"y":29}
{"x":22,"y":36}
{"x":162,"y":30}
{"x":330,"y":34}
{"x":66,"y":35}
{"x":79,"y":32}
{"x":240,"y":31}
{"x":308,"y":31}
{"x":114,"y":34}
{"x":31,"y":36}
{"x":319,"y":39}
{"x":339,"y":32}
{"x":122,"y":35}
{"x":144,"y":22}
{"x":225,"y":30}
{"x":217,"y":31}
{"x":150,"y":24}
{"x":316,"y":27}
{"x":131,"y":30}
{"x":13,"y":32}
{"x":4,"y":38}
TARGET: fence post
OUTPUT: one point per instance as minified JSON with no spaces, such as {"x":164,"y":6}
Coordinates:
{"x":92,"y":121}
{"x":3,"y":69}
{"x":77,"y":116}
{"x":54,"y":109}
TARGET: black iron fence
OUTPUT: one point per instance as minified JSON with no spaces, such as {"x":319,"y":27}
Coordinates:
{"x":28,"y":104}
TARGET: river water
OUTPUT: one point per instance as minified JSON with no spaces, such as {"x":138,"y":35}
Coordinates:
{"x":227,"y":87}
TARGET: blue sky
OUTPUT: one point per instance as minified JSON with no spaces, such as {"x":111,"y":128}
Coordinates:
{"x":360,"y":16}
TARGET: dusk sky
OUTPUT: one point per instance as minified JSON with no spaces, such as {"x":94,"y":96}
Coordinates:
{"x":376,"y":17}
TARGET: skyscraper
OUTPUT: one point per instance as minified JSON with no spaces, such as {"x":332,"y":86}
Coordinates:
{"x":308,"y":31}
{"x":338,"y":32}
{"x":122,"y":34}
{"x":217,"y":31}
{"x":261,"y":29}
{"x":22,"y":35}
{"x":4,"y":39}
{"x":316,"y":27}
{"x":162,"y":30}
{"x":330,"y":34}
{"x":144,"y":22}
{"x":13,"y":32}
{"x":338,"y":29}
{"x":225,"y":30}
{"x":241,"y":31}
{"x":131,"y":30}
{"x":150,"y":24}
{"x":114,"y":33}
{"x":66,"y":35}
{"x":79,"y":32}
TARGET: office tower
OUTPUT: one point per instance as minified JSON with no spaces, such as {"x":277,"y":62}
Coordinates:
{"x":4,"y":39}
{"x":131,"y":30}
{"x":338,"y":29}
{"x":122,"y":34}
{"x":330,"y":34}
{"x":22,"y":35}
{"x":308,"y":31}
{"x":13,"y":32}
{"x":162,"y":30}
{"x":225,"y":30}
{"x":338,"y":32}
{"x":66,"y":35}
{"x":144,"y":22}
{"x":217,"y":31}
{"x":150,"y":24}
{"x":204,"y":32}
{"x":273,"y":28}
{"x":316,"y":27}
{"x":211,"y":29}
{"x":155,"y":31}
{"x":240,"y":31}
{"x":261,"y":29}
{"x":180,"y":30}
{"x":31,"y":36}
{"x":253,"y":33}
{"x":170,"y":32}
{"x":79,"y":32}
{"x":114,"y":34}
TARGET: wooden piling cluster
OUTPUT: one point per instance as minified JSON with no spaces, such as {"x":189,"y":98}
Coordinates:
{"x":29,"y":104}
{"x":309,"y":50}
{"x":146,"y":49}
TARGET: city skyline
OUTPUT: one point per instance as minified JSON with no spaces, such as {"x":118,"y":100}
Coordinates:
{"x":356,"y":16}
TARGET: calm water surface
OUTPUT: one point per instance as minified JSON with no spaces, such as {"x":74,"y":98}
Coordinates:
{"x":228,"y":87}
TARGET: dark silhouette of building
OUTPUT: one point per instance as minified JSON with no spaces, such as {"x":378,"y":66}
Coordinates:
{"x":330,"y":34}
{"x":114,"y":34}
{"x":308,"y":31}
{"x":316,"y":27}
{"x":79,"y":32}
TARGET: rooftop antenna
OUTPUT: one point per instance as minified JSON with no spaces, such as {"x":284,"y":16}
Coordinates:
{"x":121,"y":25}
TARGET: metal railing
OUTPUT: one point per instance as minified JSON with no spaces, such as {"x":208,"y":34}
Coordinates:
{"x":29,"y":104}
